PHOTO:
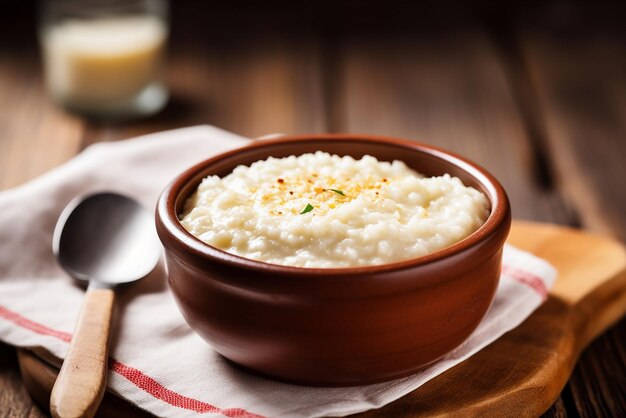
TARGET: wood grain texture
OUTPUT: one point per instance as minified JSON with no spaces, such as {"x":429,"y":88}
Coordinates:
{"x":581,"y":91}
{"x":447,"y":91}
{"x":80,"y":385}
{"x":15,"y":401}
{"x":35,"y":136}
{"x":523,"y":372}
{"x":576,"y":73}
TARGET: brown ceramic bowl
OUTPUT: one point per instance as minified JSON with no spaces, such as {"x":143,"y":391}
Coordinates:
{"x":343,"y":326}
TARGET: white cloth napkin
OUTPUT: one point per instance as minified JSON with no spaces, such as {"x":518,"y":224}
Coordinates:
{"x":157,"y":361}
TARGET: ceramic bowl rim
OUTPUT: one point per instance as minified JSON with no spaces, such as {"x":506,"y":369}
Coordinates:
{"x":167,"y":216}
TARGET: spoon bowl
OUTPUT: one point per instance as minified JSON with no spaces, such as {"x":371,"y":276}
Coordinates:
{"x":107,"y":238}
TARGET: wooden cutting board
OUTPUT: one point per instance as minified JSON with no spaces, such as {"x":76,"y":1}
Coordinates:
{"x":520,"y":374}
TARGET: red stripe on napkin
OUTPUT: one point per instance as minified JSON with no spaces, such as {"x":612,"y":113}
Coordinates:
{"x":136,"y":377}
{"x":17,"y":319}
{"x":154,"y":388}
{"x":529,"y":279}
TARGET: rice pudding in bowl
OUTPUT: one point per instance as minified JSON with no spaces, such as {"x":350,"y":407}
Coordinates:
{"x":339,"y":325}
{"x":326,"y":211}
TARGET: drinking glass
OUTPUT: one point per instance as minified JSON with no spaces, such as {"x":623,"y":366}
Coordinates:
{"x":105,"y":58}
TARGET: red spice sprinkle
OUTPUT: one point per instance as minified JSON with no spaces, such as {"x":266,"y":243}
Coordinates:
{"x":281,"y":180}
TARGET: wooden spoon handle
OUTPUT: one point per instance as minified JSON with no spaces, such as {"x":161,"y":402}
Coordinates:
{"x":79,"y":388}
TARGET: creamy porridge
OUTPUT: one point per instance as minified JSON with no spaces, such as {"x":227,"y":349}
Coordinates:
{"x":322,"y":210}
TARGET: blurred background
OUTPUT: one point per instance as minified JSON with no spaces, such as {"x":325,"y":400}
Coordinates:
{"x":533,"y":91}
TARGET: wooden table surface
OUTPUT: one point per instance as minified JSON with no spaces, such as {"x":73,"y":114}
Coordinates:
{"x":536,"y":94}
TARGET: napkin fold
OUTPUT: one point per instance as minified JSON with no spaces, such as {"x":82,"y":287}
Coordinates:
{"x":157,"y":362}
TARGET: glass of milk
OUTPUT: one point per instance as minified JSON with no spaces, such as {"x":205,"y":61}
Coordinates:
{"x":104,"y":58}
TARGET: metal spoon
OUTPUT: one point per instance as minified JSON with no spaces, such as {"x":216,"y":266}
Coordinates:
{"x":104,"y":239}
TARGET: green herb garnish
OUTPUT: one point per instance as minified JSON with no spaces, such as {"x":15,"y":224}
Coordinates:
{"x":337,"y":191}
{"x":307,"y":209}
